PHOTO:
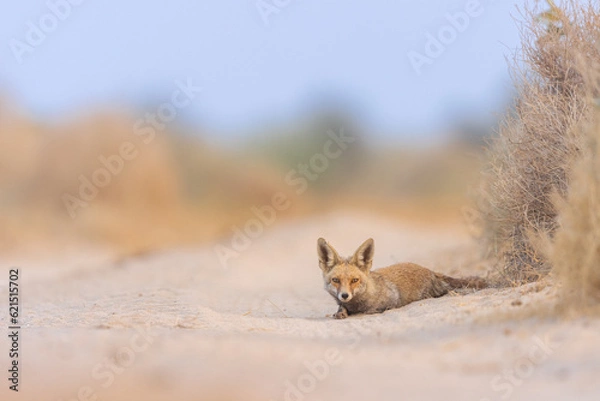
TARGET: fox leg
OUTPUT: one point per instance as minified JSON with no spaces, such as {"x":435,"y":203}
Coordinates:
{"x":342,"y":313}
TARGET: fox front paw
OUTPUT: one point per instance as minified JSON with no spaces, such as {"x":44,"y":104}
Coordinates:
{"x":342,"y":313}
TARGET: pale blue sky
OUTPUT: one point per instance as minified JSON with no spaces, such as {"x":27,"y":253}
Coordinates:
{"x":122,"y":53}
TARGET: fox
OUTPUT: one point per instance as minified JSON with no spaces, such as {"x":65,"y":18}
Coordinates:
{"x":358,"y":290}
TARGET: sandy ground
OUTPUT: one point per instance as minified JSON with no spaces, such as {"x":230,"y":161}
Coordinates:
{"x":177,"y":325}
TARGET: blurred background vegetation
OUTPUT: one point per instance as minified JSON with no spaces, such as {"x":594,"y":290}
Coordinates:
{"x":270,"y":93}
{"x":183,"y":189}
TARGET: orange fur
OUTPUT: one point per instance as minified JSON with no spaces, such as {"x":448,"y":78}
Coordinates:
{"x":357,"y":289}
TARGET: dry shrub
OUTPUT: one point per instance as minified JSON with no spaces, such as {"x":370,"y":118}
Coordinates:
{"x":43,"y":163}
{"x":575,"y":251}
{"x":176,"y":191}
{"x":532,"y":156}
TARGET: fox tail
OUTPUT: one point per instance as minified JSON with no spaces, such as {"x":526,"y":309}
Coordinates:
{"x":467,"y":282}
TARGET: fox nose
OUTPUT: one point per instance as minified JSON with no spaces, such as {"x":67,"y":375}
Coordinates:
{"x":345,"y":295}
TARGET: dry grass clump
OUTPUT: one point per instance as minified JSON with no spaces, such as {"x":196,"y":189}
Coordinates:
{"x":531,"y":159}
{"x":176,"y":191}
{"x":575,"y":251}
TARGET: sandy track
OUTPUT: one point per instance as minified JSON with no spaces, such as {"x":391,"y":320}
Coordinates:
{"x":178,"y":325}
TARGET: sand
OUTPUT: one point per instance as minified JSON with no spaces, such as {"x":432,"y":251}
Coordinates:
{"x":177,"y":325}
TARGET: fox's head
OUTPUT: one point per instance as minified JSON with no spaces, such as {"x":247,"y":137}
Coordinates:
{"x":345,"y":278}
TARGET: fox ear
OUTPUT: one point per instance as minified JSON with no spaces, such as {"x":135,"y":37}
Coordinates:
{"x":363,"y":257}
{"x":328,"y":257}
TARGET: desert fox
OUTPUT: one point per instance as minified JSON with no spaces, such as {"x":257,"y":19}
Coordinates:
{"x":357,"y":289}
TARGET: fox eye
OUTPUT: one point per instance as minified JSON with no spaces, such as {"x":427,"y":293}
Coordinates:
{"x":354,"y":280}
{"x":335,"y":280}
